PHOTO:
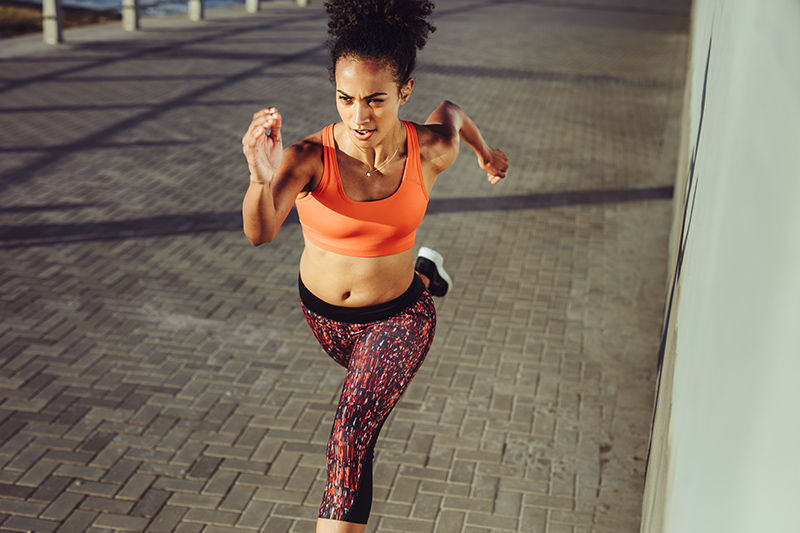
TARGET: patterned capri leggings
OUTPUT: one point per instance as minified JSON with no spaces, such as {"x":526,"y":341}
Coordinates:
{"x":382,"y":347}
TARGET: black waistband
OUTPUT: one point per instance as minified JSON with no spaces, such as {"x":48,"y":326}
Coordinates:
{"x":362,"y":315}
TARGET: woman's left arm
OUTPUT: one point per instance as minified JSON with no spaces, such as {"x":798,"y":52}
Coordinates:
{"x":493,"y":161}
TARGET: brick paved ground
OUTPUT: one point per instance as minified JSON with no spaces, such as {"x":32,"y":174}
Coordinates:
{"x":155,"y":370}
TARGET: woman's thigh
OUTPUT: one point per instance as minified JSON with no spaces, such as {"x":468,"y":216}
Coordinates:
{"x":381,"y":366}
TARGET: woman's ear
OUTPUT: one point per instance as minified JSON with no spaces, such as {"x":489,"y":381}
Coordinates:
{"x":405,"y":91}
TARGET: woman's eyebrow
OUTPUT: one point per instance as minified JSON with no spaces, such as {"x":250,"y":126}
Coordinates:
{"x":373,"y":95}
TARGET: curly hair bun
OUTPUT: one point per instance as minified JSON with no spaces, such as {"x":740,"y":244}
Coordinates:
{"x":383,"y":30}
{"x":404,"y":16}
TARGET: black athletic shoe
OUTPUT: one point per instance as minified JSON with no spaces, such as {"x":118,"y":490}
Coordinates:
{"x":429,"y":263}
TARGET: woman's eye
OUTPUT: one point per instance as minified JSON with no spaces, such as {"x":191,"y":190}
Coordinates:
{"x":345,"y":99}
{"x":374,"y":101}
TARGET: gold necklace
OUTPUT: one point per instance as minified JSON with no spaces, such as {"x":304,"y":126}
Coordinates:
{"x":377,"y":169}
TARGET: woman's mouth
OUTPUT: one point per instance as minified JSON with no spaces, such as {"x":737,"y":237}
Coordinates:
{"x":363,"y":134}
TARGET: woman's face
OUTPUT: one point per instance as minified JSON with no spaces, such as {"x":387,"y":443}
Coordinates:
{"x":368,"y":100}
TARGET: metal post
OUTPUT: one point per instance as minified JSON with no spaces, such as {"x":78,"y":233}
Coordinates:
{"x":52,"y":22}
{"x":253,"y":6}
{"x":196,"y":10}
{"x":130,"y":15}
{"x":302,"y":3}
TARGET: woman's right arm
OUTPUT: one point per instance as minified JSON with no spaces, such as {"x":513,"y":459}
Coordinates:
{"x":277,"y":176}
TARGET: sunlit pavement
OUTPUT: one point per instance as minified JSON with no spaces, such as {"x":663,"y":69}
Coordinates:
{"x":156,"y":373}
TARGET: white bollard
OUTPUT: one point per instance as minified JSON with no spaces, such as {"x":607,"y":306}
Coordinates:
{"x":253,"y":6}
{"x":52,"y":32}
{"x":302,"y":3}
{"x":130,"y":15}
{"x":196,"y":10}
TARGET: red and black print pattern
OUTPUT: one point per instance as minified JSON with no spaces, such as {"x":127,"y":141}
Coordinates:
{"x":381,"y":358}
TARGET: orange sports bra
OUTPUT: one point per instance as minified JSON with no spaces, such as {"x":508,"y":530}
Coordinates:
{"x":377,"y":228}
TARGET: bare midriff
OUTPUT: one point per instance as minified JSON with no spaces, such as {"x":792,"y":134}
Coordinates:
{"x":355,"y":281}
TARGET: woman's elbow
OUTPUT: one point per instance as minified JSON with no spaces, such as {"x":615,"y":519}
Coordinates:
{"x":257,"y":239}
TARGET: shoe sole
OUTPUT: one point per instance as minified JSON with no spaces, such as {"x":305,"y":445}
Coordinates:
{"x":437,"y":259}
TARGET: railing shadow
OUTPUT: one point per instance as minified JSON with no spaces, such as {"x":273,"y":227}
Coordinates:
{"x":547,"y":200}
{"x":230,"y":221}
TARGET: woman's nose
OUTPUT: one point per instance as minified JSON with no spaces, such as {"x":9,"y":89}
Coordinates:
{"x":361,"y":114}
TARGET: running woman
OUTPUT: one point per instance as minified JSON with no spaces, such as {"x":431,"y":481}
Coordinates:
{"x":361,"y":189}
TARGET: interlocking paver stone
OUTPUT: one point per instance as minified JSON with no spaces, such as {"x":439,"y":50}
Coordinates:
{"x":156,"y":373}
{"x":78,"y":521}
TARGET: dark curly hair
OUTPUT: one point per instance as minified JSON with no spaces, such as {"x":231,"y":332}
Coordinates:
{"x":389,"y":31}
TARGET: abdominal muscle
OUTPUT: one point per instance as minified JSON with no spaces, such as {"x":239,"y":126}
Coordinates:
{"x":355,"y":281}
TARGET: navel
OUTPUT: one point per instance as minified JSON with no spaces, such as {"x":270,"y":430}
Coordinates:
{"x":346,"y":295}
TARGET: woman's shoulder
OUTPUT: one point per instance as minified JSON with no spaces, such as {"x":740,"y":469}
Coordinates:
{"x":438,"y":143}
{"x":309,"y":145}
{"x":435,"y":136}
{"x":306,"y":152}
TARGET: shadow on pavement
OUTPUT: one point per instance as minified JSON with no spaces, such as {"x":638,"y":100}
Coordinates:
{"x":194,"y":223}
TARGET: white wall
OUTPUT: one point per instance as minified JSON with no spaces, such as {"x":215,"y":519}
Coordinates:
{"x":725,"y":450}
